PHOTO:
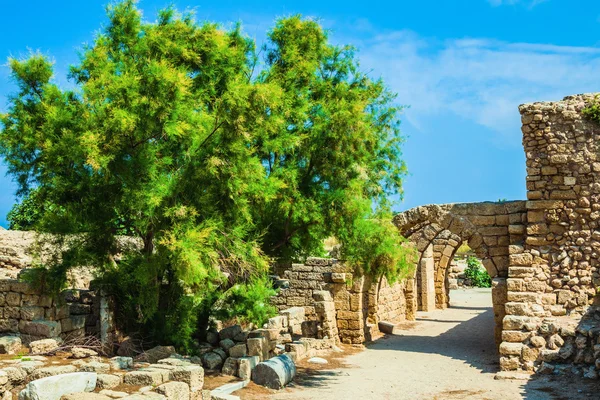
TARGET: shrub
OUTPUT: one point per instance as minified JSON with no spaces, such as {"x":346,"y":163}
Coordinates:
{"x":477,"y":274}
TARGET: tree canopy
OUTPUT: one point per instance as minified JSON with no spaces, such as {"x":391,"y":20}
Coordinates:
{"x":217,"y":157}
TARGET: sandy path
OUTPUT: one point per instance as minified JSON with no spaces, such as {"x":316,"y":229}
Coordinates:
{"x":446,"y":354}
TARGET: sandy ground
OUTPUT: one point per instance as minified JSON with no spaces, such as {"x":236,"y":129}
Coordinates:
{"x":445,"y":354}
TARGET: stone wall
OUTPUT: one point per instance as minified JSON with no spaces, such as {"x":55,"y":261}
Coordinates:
{"x":553,"y":275}
{"x":360,"y":304}
{"x":25,"y":312}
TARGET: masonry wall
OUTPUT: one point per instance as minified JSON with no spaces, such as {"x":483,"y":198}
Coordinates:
{"x":359,"y":303}
{"x":553,"y":275}
{"x":33,"y":316}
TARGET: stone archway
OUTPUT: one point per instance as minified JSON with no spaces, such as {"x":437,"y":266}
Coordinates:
{"x":438,"y":230}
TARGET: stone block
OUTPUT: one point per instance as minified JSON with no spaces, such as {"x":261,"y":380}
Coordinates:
{"x":212,"y":361}
{"x":47,"y":329}
{"x":54,"y":387}
{"x":143,"y":378}
{"x":54,"y":370}
{"x":386,"y":327}
{"x":44,"y":346}
{"x":107,"y":381}
{"x":10,"y":344}
{"x":174,"y":390}
{"x":246,"y":365}
{"x":510,"y":349}
{"x":230,"y":332}
{"x":239,"y":350}
{"x":193,"y":375}
{"x":230,"y":367}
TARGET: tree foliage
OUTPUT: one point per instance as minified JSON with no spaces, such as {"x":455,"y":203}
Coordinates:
{"x":179,"y":134}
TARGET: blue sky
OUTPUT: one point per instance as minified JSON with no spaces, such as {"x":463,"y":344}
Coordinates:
{"x":463,"y":67}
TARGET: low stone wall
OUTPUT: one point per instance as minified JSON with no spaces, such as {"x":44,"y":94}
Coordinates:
{"x":359,"y":303}
{"x":26,"y":312}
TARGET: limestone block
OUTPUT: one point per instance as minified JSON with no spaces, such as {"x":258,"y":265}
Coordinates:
{"x":31,"y":313}
{"x":47,"y":329}
{"x":246,"y":365}
{"x":230,"y":367}
{"x":85,"y":396}
{"x":510,"y":349}
{"x":81,"y":352}
{"x":258,"y":347}
{"x":386,"y":327}
{"x":44,"y":345}
{"x":274,"y":373}
{"x":10,"y":344}
{"x":9,"y":325}
{"x":54,"y":387}
{"x":193,"y":375}
{"x":143,"y":378}
{"x":107,"y":381}
{"x":174,"y":390}
{"x":95,"y":366}
{"x":54,"y":370}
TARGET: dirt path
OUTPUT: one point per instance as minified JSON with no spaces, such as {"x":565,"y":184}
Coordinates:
{"x":446,"y":354}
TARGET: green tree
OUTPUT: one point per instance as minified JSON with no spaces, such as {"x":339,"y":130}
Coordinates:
{"x":177,"y":134}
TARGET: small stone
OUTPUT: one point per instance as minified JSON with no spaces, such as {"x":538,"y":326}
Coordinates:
{"x":44,"y":346}
{"x":81,"y":352}
{"x":119,"y":362}
{"x":317,"y":360}
{"x":10,"y":344}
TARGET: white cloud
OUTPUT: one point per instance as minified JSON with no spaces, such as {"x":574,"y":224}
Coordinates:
{"x":528,"y":3}
{"x":477,"y":79}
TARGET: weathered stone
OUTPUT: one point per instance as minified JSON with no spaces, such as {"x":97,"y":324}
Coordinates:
{"x":230,"y":367}
{"x":95,"y":366}
{"x":212,"y":361}
{"x":274,"y":373}
{"x":119,"y":362}
{"x":10,"y":344}
{"x":229,"y":332}
{"x":85,"y":396}
{"x":156,"y":353}
{"x":246,"y":365}
{"x":174,"y":390}
{"x":142,"y":378}
{"x":239,"y":350}
{"x":107,"y":381}
{"x":193,"y":375}
{"x":54,"y":370}
{"x":81,"y":352}
{"x":54,"y":387}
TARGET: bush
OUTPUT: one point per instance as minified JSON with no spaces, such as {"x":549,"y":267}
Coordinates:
{"x":477,"y":274}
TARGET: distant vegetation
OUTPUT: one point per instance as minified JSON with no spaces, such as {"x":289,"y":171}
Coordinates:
{"x":477,"y":273}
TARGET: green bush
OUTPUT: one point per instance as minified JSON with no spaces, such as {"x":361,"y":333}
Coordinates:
{"x":477,"y":274}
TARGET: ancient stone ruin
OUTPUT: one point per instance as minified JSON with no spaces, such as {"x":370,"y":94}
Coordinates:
{"x":542,"y":254}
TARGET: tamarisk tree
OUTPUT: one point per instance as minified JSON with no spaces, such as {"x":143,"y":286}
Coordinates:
{"x":216,"y":160}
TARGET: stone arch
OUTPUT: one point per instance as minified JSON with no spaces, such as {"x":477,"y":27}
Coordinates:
{"x":438,"y":230}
